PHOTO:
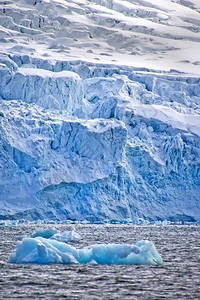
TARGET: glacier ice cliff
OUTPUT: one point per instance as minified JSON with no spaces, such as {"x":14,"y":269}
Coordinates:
{"x":114,"y":147}
{"x":90,"y":127}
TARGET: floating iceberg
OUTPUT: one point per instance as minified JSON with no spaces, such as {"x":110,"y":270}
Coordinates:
{"x":45,"y":233}
{"x":53,"y":233}
{"x":67,"y":236}
{"x":47,"y":251}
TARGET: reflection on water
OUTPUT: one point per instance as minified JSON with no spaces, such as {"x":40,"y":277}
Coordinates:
{"x":179,"y":278}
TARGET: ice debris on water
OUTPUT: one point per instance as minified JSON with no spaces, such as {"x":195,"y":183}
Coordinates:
{"x":47,"y":251}
{"x":45,"y":233}
{"x":67,"y":236}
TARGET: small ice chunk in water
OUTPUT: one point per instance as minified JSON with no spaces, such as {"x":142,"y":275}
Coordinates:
{"x":53,"y":233}
{"x":48,"y":251}
{"x":67,"y":236}
{"x":21,"y":237}
{"x":45,"y":233}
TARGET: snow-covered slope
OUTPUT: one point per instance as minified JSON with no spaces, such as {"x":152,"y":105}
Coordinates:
{"x":152,"y":34}
{"x":100,"y":110}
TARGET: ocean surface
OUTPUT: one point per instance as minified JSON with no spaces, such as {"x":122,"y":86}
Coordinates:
{"x":178,"y":278}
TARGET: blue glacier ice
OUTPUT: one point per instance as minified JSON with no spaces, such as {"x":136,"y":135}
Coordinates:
{"x":88,"y":130}
{"x":125,"y":155}
{"x":47,"y":251}
{"x":122,"y":152}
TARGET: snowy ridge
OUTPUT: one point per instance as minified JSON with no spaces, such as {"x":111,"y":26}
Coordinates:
{"x":92,"y":128}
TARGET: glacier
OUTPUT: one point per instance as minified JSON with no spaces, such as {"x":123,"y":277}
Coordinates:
{"x":92,"y":132}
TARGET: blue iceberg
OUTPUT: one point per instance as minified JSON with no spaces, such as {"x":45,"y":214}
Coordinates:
{"x":53,"y":233}
{"x":48,"y":251}
{"x":67,"y":236}
{"x":45,"y":233}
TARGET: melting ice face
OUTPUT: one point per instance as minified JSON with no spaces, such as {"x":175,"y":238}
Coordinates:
{"x":46,"y":251}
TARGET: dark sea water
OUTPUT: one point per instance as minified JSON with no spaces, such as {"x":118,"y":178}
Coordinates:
{"x":178,"y":278}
